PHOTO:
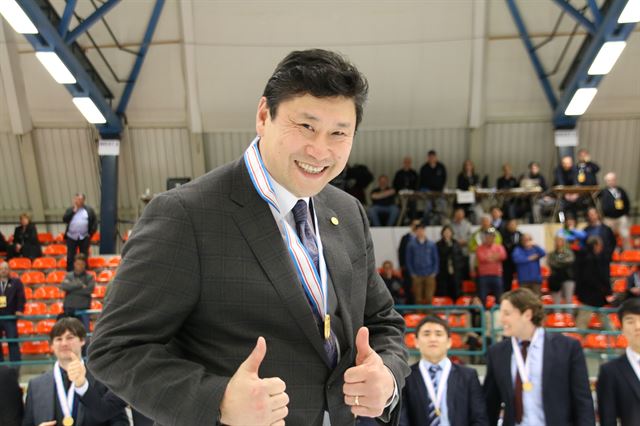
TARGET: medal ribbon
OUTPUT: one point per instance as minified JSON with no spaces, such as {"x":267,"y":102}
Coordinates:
{"x":66,"y":400}
{"x":314,"y":286}
{"x":523,"y":366}
{"x":436,"y":398}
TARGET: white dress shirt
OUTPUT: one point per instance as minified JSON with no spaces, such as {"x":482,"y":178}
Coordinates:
{"x":634,"y":360}
{"x":532,"y":403}
{"x":444,"y":410}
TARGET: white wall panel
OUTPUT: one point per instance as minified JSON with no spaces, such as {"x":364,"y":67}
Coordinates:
{"x":13,"y":191}
{"x":68,"y":163}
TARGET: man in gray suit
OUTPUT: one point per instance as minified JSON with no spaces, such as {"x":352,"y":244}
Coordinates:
{"x":263,"y":249}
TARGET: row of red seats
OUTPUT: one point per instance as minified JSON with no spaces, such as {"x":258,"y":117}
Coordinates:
{"x":52,"y":293}
{"x":600,"y":341}
{"x":96,"y":262}
{"x":566,"y":320}
{"x":45,"y":238}
{"x":56,"y":277}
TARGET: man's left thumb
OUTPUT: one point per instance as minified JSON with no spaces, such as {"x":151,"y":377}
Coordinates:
{"x":362,"y":345}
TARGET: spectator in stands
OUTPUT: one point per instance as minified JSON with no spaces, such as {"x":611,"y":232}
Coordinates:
{"x":433,"y":178}
{"x":383,"y":199}
{"x":527,"y":257}
{"x":505,"y":182}
{"x":462,"y":234}
{"x":618,"y":385}
{"x":539,"y":205}
{"x":566,"y":174}
{"x":633,"y":284}
{"x":451,"y":267}
{"x":592,"y":279}
{"x":468,"y":180}
{"x":69,"y":394}
{"x":586,"y":169}
{"x":598,"y":229}
{"x":402,"y":259}
{"x":406,"y":179}
{"x":78,"y":286}
{"x":615,"y":208}
{"x":81,"y":225}
{"x":538,"y":378}
{"x":490,"y":256}
{"x":4,"y":246}
{"x":12,"y":301}
{"x":25,"y":239}
{"x":574,"y":236}
{"x":393,"y":282}
{"x":422,"y":265}
{"x":497,"y":220}
{"x":11,"y":408}
{"x":511,"y":238}
{"x":478,"y":236}
{"x":453,"y":394}
{"x":561,"y":261}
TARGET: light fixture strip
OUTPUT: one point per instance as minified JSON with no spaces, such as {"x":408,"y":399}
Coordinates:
{"x":581,"y":101}
{"x":89,"y":110}
{"x":16,"y":17}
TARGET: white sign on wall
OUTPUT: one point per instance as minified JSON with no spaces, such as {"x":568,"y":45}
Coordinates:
{"x":109,"y":147}
{"x":565,"y":138}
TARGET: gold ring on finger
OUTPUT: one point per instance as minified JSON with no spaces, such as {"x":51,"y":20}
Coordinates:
{"x":356,"y":401}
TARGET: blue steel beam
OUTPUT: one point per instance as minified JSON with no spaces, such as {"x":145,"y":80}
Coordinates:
{"x":49,"y":39}
{"x":531,"y":51}
{"x":608,"y":30}
{"x":142,"y":53}
{"x":90,"y":20}
{"x":575,"y":14}
{"x":63,"y":28}
{"x":595,"y":11}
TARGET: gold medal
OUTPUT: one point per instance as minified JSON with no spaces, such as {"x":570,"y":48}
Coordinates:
{"x":3,"y":301}
{"x":438,"y":412}
{"x":335,"y":221}
{"x":527,"y":386}
{"x":327,"y":327}
{"x":619,"y":204}
{"x":581,"y":177}
{"x":67,"y":421}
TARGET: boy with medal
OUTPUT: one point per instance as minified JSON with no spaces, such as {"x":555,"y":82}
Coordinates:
{"x":69,"y":395}
{"x":438,"y":392}
{"x":540,"y":378}
{"x":12,"y":301}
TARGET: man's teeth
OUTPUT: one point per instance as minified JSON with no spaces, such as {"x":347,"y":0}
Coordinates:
{"x":309,"y":168}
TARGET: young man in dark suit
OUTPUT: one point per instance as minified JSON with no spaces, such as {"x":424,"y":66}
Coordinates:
{"x":540,"y":377}
{"x":618,"y":384}
{"x":10,"y":398}
{"x":438,"y":392}
{"x":12,"y":300}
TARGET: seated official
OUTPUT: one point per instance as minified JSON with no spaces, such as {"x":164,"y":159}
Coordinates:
{"x":618,"y":384}
{"x":438,"y":392}
{"x":539,"y":378}
{"x":10,"y":397}
{"x":383,"y":199}
{"x":69,"y":395}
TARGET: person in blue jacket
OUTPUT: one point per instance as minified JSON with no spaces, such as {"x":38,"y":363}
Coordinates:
{"x":422,"y":265}
{"x":527,"y":257}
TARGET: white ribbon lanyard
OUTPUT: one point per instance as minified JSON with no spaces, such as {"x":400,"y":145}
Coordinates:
{"x":523,"y":366}
{"x":65,"y":399}
{"x":314,"y":283}
{"x":436,"y":398}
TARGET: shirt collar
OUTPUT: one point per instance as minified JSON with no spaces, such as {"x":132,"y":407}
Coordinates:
{"x":286,"y":200}
{"x":634,"y":357}
{"x":442,"y":364}
{"x":539,"y":338}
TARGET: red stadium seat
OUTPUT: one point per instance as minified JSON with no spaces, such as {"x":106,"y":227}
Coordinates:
{"x":25,"y":327}
{"x":55,"y":277}
{"x":615,"y":257}
{"x":595,"y":322}
{"x":456,"y":341}
{"x":468,"y":286}
{"x":35,"y":308}
{"x":545,"y":271}
{"x":28,"y":293}
{"x":55,"y":308}
{"x":620,"y":285}
{"x":99,"y":291}
{"x":95,"y":238}
{"x":96,"y":305}
{"x":97,"y":263}
{"x":576,"y":336}
{"x":631,"y":256}
{"x":105,"y":276}
{"x":569,"y":320}
{"x":544,"y":288}
{"x":48,"y":292}
{"x":45,"y":326}
{"x":410,"y":340}
{"x":32,"y":278}
{"x":59,"y":238}
{"x":459,"y":321}
{"x":614,"y":321}
{"x":55,"y":250}
{"x":556,"y":320}
{"x":62,"y":263}
{"x":44,"y":263}
{"x":619,"y":270}
{"x":441,"y":301}
{"x":412,"y":320}
{"x":596,"y":341}
{"x":491,"y":301}
{"x":621,"y":342}
{"x":45,"y":237}
{"x":114,"y":262}
{"x":464,"y":300}
{"x":35,"y":348}
{"x":547,"y":300}
{"x":20,"y":263}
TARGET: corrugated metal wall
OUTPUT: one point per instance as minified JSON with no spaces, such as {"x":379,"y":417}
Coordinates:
{"x":381,"y":150}
{"x":13,"y":192}
{"x":68,"y":163}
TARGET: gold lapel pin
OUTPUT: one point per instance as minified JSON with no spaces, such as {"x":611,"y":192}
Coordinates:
{"x":335,"y":221}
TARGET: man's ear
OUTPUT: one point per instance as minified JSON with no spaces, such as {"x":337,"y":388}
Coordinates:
{"x":262,"y":115}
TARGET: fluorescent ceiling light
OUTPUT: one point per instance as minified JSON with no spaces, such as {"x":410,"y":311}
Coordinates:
{"x":607,"y":57}
{"x":89,"y":110}
{"x":16,"y":17}
{"x":580,"y":101}
{"x":631,"y":13}
{"x":58,"y":70}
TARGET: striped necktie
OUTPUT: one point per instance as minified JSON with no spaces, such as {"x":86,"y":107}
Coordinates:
{"x":433,"y":419}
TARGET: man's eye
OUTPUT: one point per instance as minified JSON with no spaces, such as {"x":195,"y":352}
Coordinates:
{"x":307,"y":126}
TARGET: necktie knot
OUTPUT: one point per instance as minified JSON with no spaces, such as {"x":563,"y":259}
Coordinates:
{"x":434,"y":369}
{"x":300,"y":212}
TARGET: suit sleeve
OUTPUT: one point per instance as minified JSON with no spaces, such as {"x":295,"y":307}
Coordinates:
{"x":606,"y":392}
{"x":102,"y":403}
{"x":21,"y":297}
{"x":386,"y":326}
{"x":581,"y":400}
{"x":404,"y":410}
{"x":68,"y":215}
{"x":491,"y":393}
{"x":28,"y":419}
{"x":477,"y":405}
{"x":144,"y":311}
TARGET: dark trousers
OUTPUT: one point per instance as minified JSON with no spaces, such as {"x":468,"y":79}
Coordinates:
{"x":489,"y":284}
{"x":72,"y":246}
{"x":10,"y":330}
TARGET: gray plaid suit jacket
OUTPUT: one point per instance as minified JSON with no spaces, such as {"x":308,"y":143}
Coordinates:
{"x":205,"y":273}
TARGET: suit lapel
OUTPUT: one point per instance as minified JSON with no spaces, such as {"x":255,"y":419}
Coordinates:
{"x":505,"y":360}
{"x":453,"y":384}
{"x":547,"y":364}
{"x":257,"y":224}
{"x":626,"y":370}
{"x":420,"y":390}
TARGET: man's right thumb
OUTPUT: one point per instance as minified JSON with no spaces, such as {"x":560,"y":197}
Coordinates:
{"x":252,"y":363}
